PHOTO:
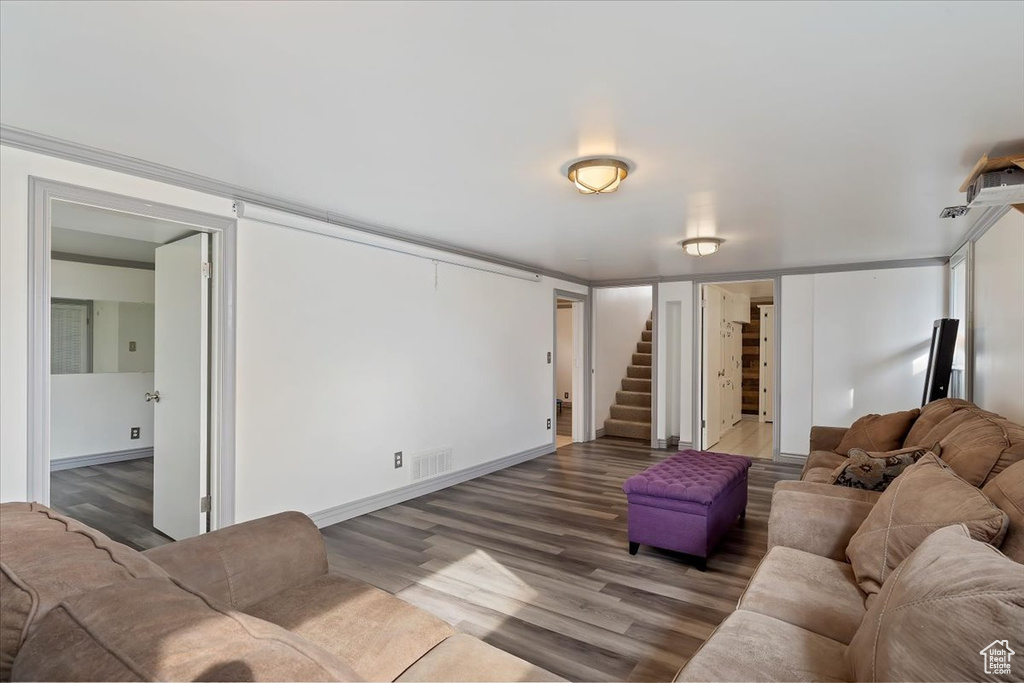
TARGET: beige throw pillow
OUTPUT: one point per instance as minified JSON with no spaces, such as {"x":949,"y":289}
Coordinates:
{"x":950,"y":601}
{"x":874,"y":471}
{"x":927,"y":496}
{"x":878,"y":433}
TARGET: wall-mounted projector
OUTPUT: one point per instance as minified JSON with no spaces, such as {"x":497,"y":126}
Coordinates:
{"x":997,"y":188}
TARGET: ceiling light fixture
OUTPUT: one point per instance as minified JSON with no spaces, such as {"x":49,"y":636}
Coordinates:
{"x":598,"y":175}
{"x":701,"y":246}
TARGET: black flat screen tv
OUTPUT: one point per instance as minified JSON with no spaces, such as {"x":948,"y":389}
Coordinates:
{"x":940,"y":360}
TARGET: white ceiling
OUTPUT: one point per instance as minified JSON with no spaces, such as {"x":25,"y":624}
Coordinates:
{"x":801,"y":133}
{"x":91,"y":231}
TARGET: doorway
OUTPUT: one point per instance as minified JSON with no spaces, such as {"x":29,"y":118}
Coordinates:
{"x":132,"y":340}
{"x":737,"y":367}
{"x":571,"y":373}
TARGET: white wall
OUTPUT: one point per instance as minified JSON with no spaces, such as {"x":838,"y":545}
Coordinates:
{"x":72,"y":280}
{"x":854,"y":343}
{"x":620,"y":315}
{"x":136,"y":323}
{"x":348,"y":354}
{"x":91,"y":414}
{"x":999,"y":318}
{"x":675,"y":327}
{"x":563,"y":354}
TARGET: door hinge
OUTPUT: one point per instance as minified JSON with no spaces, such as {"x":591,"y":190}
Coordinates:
{"x":703,"y":423}
{"x":204,"y":504}
{"x":207,"y":269}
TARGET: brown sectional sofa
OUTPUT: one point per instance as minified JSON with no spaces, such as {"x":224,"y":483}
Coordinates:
{"x":254,"y":601}
{"x":803,"y":607}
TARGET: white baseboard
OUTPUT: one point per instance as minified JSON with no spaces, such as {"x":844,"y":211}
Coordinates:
{"x":792,"y":458}
{"x":363,"y":506}
{"x":100,"y":459}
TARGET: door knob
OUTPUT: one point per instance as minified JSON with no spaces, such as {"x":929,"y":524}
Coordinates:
{"x":155,"y":397}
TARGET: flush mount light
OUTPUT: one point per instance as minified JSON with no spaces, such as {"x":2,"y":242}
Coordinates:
{"x":701,"y":246}
{"x":598,"y":175}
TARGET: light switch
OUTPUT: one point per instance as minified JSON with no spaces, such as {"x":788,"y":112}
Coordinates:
{"x":131,"y":346}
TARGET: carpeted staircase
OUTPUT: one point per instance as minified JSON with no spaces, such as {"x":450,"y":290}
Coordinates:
{"x":631,"y":414}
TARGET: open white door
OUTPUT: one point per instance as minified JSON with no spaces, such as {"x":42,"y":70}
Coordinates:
{"x":181,"y":372}
{"x":577,"y":373}
{"x":711,"y":376}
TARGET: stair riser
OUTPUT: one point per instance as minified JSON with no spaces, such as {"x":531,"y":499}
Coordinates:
{"x":647,"y":335}
{"x":632,"y":398}
{"x":631,"y":413}
{"x":641,"y":359}
{"x":638,"y":371}
{"x":644,"y":347}
{"x":629,"y":430}
{"x":634,"y":384}
{"x":650,"y":324}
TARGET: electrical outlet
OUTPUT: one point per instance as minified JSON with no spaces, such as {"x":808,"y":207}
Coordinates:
{"x":549,"y":358}
{"x":398,"y":459}
{"x":549,"y":423}
{"x":567,"y":394}
{"x":135,"y":432}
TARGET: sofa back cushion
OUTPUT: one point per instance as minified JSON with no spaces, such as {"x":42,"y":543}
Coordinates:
{"x":951,"y":599}
{"x":1006,"y":490}
{"x":931,"y":415}
{"x":878,"y":432}
{"x":159,"y":630}
{"x":927,"y":496}
{"x":45,"y":558}
{"x":982,"y":447}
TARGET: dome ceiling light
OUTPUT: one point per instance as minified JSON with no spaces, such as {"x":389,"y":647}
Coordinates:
{"x":598,"y":175}
{"x":701,"y":246}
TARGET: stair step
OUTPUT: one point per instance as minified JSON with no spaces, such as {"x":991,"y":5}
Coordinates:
{"x":633,"y":398}
{"x":650,"y":324}
{"x":636,"y":384}
{"x":641,"y":359}
{"x":627,"y":429}
{"x":644,"y":347}
{"x":647,"y":335}
{"x":632,"y":413}
{"x":638,"y":371}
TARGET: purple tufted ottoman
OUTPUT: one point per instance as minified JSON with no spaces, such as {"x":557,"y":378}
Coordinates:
{"x":687,"y":502}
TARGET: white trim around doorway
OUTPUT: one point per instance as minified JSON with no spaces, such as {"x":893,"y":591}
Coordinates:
{"x":42,"y":193}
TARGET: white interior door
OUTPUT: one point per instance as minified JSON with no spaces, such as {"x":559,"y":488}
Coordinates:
{"x":577,"y":373}
{"x":181,"y":376}
{"x":767,"y":363}
{"x":711,"y":386}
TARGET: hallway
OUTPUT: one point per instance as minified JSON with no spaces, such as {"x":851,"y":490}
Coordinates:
{"x":747,"y":437}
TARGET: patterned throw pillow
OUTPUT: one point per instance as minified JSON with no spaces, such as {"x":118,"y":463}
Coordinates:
{"x":874,"y":471}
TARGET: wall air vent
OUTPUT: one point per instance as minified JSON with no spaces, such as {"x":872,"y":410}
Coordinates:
{"x":427,"y":464}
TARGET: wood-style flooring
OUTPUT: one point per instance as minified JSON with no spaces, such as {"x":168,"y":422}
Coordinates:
{"x":747,"y":437}
{"x":533,"y":559}
{"x":563,"y":427}
{"x":116,"y":499}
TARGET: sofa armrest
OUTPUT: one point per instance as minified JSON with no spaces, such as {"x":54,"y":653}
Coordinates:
{"x":813,"y":522}
{"x":826,"y":438}
{"x":246,"y":563}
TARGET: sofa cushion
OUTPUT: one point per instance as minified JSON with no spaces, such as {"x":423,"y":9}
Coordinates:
{"x":949,"y":424}
{"x":927,"y":496}
{"x":949,"y":600}
{"x":931,"y":415}
{"x":1006,"y":490}
{"x":379,"y":635}
{"x":983,"y":447}
{"x":824,"y":459}
{"x":817,"y":475}
{"x":874,"y":471}
{"x":806,"y":590}
{"x":815,"y":523}
{"x":822,"y":489}
{"x":465,"y":658}
{"x":748,"y":646}
{"x":46,"y":557}
{"x":159,"y":630}
{"x":878,"y":432}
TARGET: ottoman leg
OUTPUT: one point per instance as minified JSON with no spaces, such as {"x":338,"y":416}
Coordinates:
{"x":701,"y":563}
{"x":633,"y":547}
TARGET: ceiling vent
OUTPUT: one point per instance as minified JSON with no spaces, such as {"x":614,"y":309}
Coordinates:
{"x":997,"y":188}
{"x":954,"y":211}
